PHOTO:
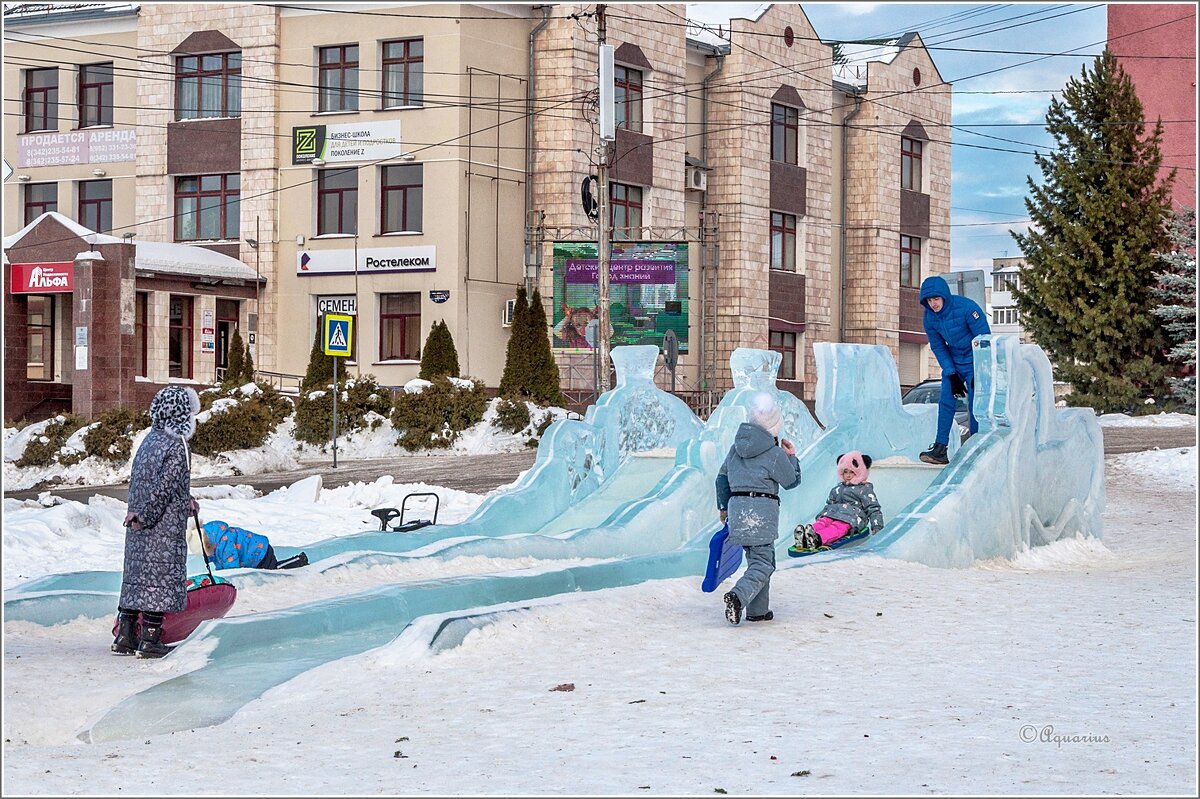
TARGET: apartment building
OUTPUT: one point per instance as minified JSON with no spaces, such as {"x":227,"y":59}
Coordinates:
{"x":412,"y":164}
{"x":1002,"y":305}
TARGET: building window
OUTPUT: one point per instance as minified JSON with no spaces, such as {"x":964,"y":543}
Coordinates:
{"x":40,"y":198}
{"x":95,"y":205}
{"x":338,"y":78}
{"x":207,"y":207}
{"x":785,"y":134}
{"x":910,"y":261}
{"x":626,"y":216}
{"x":400,"y":202}
{"x":910,"y":164}
{"x":95,"y":95}
{"x":179,"y":341}
{"x":41,"y":338}
{"x":337,"y":201}
{"x":783,"y":241}
{"x":400,"y":327}
{"x":1006,"y":281}
{"x":1005,"y":316}
{"x":403,"y":73}
{"x":628,"y":98}
{"x":141,"y":318}
{"x":785,"y":344}
{"x":41,"y":99}
{"x":208,"y":86}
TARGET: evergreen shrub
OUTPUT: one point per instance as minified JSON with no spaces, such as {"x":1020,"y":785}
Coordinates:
{"x":41,"y":450}
{"x":434,"y":417}
{"x":112,"y":438}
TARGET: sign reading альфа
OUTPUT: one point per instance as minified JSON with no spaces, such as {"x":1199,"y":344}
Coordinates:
{"x":363,"y":141}
{"x":383,"y":259}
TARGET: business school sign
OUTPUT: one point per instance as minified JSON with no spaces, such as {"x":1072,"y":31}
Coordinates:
{"x":384,"y":259}
{"x":365,"y":141}
{"x":56,"y":277}
{"x":104,"y":146}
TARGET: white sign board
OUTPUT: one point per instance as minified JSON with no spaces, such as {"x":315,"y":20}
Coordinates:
{"x":342,"y":304}
{"x":383,"y":259}
{"x":361,"y":141}
{"x":77,"y":147}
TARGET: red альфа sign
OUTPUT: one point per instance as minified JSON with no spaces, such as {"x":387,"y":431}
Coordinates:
{"x":44,"y":278}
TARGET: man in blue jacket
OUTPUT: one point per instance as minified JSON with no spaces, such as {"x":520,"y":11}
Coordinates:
{"x":951,"y":323}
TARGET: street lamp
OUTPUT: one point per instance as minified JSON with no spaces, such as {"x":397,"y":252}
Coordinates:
{"x":257,"y":277}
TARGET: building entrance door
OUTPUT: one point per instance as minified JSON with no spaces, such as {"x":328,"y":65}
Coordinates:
{"x":227,"y":321}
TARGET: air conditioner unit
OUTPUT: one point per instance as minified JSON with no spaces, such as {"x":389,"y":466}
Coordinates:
{"x":697,"y":178}
{"x":506,"y":316}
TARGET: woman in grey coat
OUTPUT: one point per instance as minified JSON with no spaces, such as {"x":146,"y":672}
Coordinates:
{"x":748,"y":486}
{"x":155,"y":570}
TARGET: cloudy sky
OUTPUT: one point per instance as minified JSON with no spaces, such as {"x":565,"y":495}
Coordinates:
{"x":1008,"y":101}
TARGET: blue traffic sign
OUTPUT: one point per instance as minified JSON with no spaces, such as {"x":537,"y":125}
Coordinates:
{"x":338,"y":334}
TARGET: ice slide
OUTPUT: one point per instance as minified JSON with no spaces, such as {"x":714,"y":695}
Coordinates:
{"x":1032,"y":475}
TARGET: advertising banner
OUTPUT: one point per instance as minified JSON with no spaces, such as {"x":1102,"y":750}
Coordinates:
{"x":46,"y":278}
{"x":382,"y":259}
{"x":362,"y":141}
{"x":76,"y":147}
{"x":648,"y":293}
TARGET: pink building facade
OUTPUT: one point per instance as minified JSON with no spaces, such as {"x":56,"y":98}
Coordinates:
{"x":1166,"y":86}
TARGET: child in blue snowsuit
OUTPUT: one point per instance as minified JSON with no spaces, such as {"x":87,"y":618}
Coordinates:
{"x":951,"y":323}
{"x":748,"y":483}
{"x":229,"y":547}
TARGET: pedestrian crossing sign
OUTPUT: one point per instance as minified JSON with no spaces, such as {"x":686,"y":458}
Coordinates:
{"x":338,"y":334}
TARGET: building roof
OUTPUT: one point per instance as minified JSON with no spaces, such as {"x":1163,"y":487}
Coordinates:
{"x":16,"y":13}
{"x":160,"y":257}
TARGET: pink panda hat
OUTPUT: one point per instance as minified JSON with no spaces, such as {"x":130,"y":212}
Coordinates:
{"x":857,"y":464}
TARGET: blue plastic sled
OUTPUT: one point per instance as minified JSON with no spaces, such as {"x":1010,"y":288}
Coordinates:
{"x":841,"y":542}
{"x":724,"y":558}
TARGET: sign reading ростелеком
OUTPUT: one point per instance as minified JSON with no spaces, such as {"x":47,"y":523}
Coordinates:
{"x":363,"y":141}
{"x":382,"y":259}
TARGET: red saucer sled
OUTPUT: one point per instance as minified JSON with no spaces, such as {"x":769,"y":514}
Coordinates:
{"x":208,"y":597}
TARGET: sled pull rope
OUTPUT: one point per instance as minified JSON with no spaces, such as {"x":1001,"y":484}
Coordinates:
{"x":203,"y":552}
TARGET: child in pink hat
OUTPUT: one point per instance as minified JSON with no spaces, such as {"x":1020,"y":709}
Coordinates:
{"x":851,"y":506}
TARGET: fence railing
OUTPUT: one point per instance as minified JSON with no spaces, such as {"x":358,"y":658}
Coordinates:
{"x":281,"y":381}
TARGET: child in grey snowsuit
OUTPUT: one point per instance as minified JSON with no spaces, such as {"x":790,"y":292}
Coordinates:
{"x":748,"y":483}
{"x":851,"y":506}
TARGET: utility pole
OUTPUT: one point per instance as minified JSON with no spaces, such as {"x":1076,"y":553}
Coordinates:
{"x":603,"y":246}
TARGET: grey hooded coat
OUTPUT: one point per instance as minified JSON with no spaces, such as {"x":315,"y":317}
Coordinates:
{"x":155,"y":568}
{"x":754,"y":463}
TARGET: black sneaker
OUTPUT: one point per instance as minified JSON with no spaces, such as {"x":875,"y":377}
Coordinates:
{"x":936,"y":454}
{"x":807,"y":539}
{"x":733,"y":608}
{"x":770,"y":614}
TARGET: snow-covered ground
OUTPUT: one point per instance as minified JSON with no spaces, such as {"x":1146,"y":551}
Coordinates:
{"x":1069,"y":669}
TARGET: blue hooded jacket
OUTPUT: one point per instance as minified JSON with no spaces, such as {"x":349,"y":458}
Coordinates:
{"x":951,"y":330}
{"x":235,"y":547}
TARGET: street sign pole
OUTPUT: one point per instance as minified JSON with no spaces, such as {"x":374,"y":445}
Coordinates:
{"x":335,"y":393}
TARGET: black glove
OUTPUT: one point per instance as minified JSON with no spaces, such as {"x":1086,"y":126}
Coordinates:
{"x":958,"y":386}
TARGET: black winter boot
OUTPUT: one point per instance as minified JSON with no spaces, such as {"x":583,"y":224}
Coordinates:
{"x":733,"y":608}
{"x":150,"y":646}
{"x":936,"y":454}
{"x":770,"y":614}
{"x":126,"y":642}
{"x":294,"y":562}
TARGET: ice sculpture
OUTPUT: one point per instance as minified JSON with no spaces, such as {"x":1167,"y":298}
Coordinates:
{"x":633,"y":483}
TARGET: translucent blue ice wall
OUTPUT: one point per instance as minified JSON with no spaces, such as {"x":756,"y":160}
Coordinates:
{"x":1032,"y":475}
{"x":574,"y":457}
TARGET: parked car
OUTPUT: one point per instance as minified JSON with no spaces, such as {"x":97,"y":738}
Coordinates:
{"x":928,"y":391}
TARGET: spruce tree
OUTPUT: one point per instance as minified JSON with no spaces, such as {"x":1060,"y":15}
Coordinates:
{"x":236,"y":360}
{"x":516,"y":358}
{"x":320,"y":367}
{"x":439,"y":356}
{"x":544,"y":386}
{"x":1176,"y":291}
{"x":1097,"y":222}
{"x":248,"y":366}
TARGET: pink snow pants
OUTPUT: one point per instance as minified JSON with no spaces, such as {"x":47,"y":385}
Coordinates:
{"x":830,"y":530}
